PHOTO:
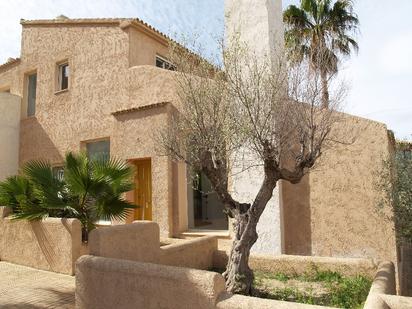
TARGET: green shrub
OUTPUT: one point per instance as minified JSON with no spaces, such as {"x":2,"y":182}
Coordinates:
{"x":395,"y":182}
{"x":90,"y":190}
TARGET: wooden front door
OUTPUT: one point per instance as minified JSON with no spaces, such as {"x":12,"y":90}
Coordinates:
{"x":143,"y":190}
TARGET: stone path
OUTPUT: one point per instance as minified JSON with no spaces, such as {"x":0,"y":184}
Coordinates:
{"x":23,"y":287}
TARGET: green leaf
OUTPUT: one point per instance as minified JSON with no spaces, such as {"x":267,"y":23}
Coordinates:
{"x":90,"y":190}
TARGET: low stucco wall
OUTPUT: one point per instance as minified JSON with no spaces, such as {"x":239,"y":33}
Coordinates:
{"x":140,"y":241}
{"x":383,"y":290}
{"x":51,"y":244}
{"x":333,"y":210}
{"x":295,"y":264}
{"x":112,"y":283}
{"x":197,"y":253}
{"x":10,"y":106}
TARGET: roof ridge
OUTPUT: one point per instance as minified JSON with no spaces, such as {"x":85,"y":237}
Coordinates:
{"x":102,"y":20}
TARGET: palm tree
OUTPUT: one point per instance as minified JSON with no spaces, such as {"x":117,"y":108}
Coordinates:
{"x":320,"y":32}
{"x":91,"y":190}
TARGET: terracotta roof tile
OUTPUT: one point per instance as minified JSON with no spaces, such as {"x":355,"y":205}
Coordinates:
{"x":121,"y":22}
{"x":73,"y":21}
{"x":10,"y":61}
{"x":92,"y":21}
{"x":140,"y":108}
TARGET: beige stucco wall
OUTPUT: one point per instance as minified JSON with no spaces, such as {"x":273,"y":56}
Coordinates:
{"x":333,"y":211}
{"x":137,"y":241}
{"x":132,"y":137}
{"x":106,"y":282}
{"x":51,"y":244}
{"x":383,"y":290}
{"x":197,"y":253}
{"x":98,"y":58}
{"x":10,"y":106}
{"x":140,"y":241}
{"x":112,"y":283}
{"x":101,"y":82}
{"x":144,"y":48}
{"x":295,"y":264}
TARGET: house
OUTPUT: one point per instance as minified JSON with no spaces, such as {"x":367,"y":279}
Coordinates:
{"x":105,"y":86}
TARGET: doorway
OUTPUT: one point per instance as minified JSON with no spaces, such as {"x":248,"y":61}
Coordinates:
{"x":143,"y":189}
{"x":205,"y":209}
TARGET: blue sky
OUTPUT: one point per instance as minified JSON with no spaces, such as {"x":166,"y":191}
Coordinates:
{"x":380,"y":76}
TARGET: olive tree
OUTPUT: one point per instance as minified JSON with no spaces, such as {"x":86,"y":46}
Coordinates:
{"x":246,"y":111}
{"x":395,"y":181}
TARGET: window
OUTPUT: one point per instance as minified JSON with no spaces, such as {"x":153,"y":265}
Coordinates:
{"x":58,"y":172}
{"x":98,"y":150}
{"x":63,"y":76}
{"x":164,"y":64}
{"x":31,"y":94}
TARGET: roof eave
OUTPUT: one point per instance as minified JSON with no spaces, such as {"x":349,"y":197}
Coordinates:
{"x":9,"y":63}
{"x":71,"y":22}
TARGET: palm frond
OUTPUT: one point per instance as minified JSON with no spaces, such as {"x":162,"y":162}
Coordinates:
{"x":90,"y":190}
{"x":77,"y":173}
{"x":113,"y":208}
{"x":296,"y":18}
{"x":48,"y":189}
{"x":317,"y":29}
{"x":13,"y":189}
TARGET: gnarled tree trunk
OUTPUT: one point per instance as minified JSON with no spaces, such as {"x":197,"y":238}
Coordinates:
{"x":238,"y":275}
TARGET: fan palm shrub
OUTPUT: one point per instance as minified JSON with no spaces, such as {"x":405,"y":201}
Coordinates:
{"x":321,"y":31}
{"x":91,"y":190}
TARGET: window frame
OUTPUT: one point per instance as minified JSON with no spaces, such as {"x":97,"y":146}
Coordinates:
{"x":167,"y":65}
{"x":87,"y":142}
{"x":27,"y":76}
{"x":59,"y":75}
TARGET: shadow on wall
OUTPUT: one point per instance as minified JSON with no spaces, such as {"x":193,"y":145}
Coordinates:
{"x":35,"y":143}
{"x":297,"y":217}
{"x":46,"y":246}
{"x":52,"y":244}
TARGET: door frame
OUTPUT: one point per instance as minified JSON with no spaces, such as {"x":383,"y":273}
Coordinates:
{"x":134,"y":163}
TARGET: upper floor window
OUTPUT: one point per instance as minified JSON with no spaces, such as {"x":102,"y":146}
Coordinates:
{"x":98,"y":150}
{"x":164,"y":64}
{"x":63,"y":76}
{"x":58,"y":172}
{"x":31,"y":94}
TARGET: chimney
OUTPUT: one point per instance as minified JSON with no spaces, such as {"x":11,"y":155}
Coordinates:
{"x":62,"y":17}
{"x":258,"y":24}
